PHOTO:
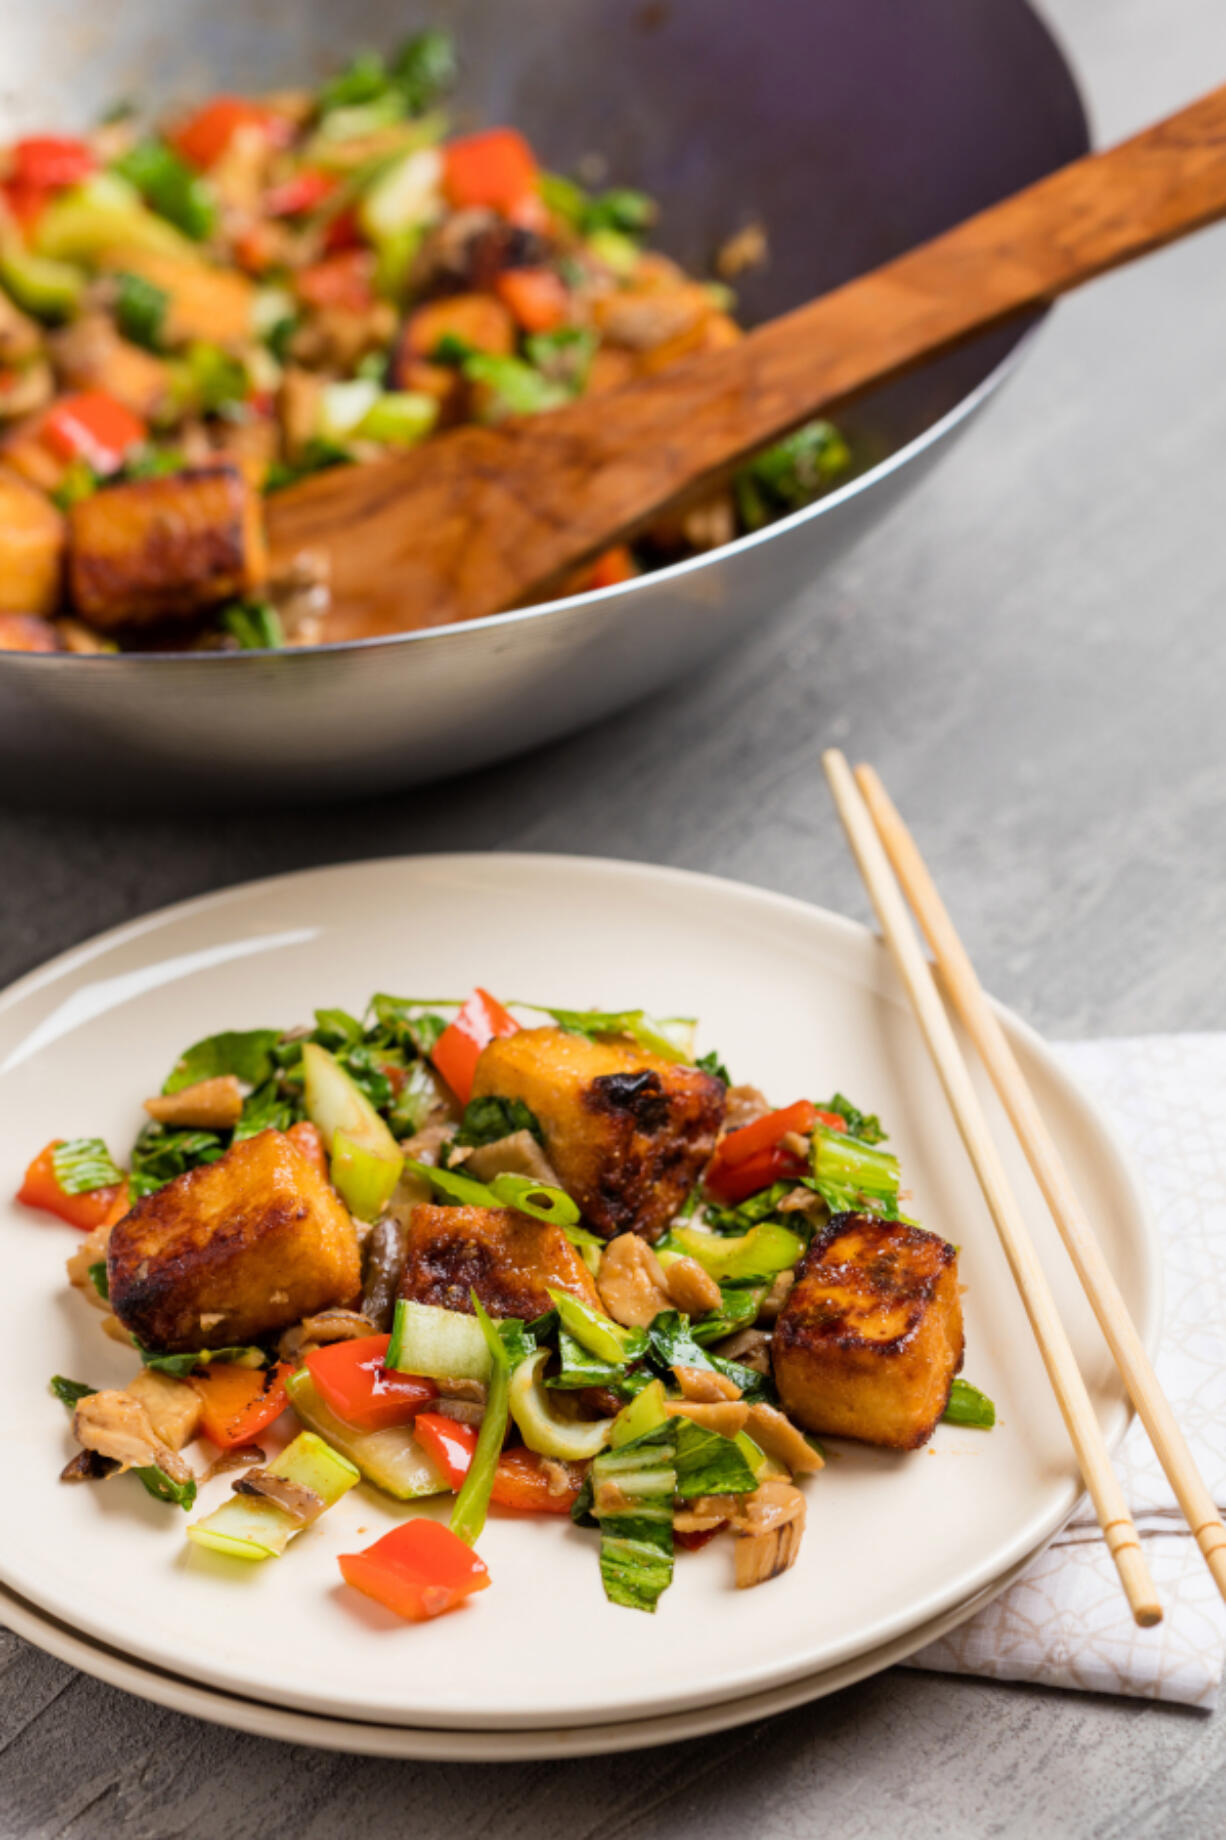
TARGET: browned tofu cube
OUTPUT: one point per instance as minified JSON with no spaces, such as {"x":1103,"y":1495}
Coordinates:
{"x":509,"y":1259}
{"x":203,"y":302}
{"x":31,"y":547}
{"x":161,"y":547}
{"x":234,"y":1251}
{"x":870,"y":1337}
{"x":627,"y":1131}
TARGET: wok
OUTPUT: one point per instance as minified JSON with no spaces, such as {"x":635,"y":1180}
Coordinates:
{"x":850,"y":128}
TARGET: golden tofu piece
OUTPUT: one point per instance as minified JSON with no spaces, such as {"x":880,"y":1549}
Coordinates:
{"x":870,"y":1337}
{"x":509,"y":1259}
{"x":158,"y":547}
{"x":31,"y":547}
{"x":203,"y":302}
{"x":233,"y":1251}
{"x":627,"y":1131}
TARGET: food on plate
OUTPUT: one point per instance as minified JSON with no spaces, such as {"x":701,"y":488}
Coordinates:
{"x":560,"y":1267}
{"x":199,"y":311}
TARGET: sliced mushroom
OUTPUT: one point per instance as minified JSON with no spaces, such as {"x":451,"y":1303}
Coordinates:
{"x":243,"y":1458}
{"x":769,"y":1524}
{"x":748,"y":1347}
{"x":727,"y":1416}
{"x":516,"y":1155}
{"x":384,"y":1265}
{"x":320,"y":1330}
{"x":779,"y":1438}
{"x":631,"y":1282}
{"x":691,"y":1288}
{"x":463,"y":1411}
{"x":303,"y":1503}
{"x":776,"y":1296}
{"x":209,"y":1105}
{"x":743,"y":1105}
{"x":704,"y":1387}
{"x":704,"y":1514}
{"x":116,"y":1425}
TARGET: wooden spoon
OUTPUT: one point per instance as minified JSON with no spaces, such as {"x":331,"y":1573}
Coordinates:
{"x":490,"y":518}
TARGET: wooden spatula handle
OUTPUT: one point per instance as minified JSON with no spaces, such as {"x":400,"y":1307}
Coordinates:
{"x":490,"y":516}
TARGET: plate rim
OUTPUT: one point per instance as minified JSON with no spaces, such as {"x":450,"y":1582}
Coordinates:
{"x":768,"y":1675}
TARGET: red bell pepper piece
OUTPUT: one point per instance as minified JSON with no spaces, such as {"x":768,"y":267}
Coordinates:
{"x":344,"y":280}
{"x":302,"y":192}
{"x":458,"y":1048}
{"x":307,"y":1141}
{"x":447,"y":1442}
{"x":616,"y":564}
{"x":93,"y":426}
{"x":239,"y":1402}
{"x":496,"y":168}
{"x":48,"y":163}
{"x":521,"y":1481}
{"x":344,"y":232}
{"x":353,"y":1380}
{"x":419,"y":1570}
{"x":25,"y":202}
{"x":40,"y":1189}
{"x":753,"y":1157}
{"x":536,"y":297}
{"x":205,"y":136}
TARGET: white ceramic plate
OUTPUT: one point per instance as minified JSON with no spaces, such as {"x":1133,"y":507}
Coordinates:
{"x":260,"y":1720}
{"x":797,"y":1001}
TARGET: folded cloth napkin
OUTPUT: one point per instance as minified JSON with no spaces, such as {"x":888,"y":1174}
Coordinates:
{"x":1064,"y":1623}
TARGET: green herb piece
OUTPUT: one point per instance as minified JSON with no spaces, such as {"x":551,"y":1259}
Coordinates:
{"x":78,"y":481}
{"x":161,"y":1154}
{"x":180,"y":1365}
{"x":968,"y":1406}
{"x":70,"y":1392}
{"x":864,"y":1125}
{"x":669,"y":1036}
{"x":514,"y":388}
{"x":636,"y":1543}
{"x":791,"y":474}
{"x":452,"y":349}
{"x":140,"y":310}
{"x":148,"y":462}
{"x":564,"y":198}
{"x":711,"y":1063}
{"x":99,"y":1280}
{"x":268,"y":1108}
{"x":472,"y":1502}
{"x":82,"y":1164}
{"x":746,"y":1214}
{"x":315,"y":456}
{"x":708,"y":1464}
{"x":853,"y":1177}
{"x":581,"y":1368}
{"x":255,"y":624}
{"x":596,"y":1332}
{"x":245,"y":1053}
{"x":629,"y":212}
{"x":170,"y":187}
{"x":414,"y":1102}
{"x":363,"y":79}
{"x":564,"y":356}
{"x":738,"y":1310}
{"x":409,"y":1021}
{"x":336,"y":1028}
{"x":486,"y":1120}
{"x":672,"y":1344}
{"x":424,"y":69}
{"x":210,"y":380}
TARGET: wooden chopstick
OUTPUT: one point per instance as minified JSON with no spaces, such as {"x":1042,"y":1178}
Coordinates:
{"x":1049,"y":1332}
{"x":965,"y":992}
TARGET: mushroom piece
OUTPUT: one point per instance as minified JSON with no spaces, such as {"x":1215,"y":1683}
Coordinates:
{"x":704,"y":1387}
{"x":726,"y":1416}
{"x":116,"y":1426}
{"x":631,"y":1282}
{"x":748,"y":1346}
{"x":322,"y":1329}
{"x":770,"y":1525}
{"x":691,"y":1288}
{"x":743,"y":1105}
{"x":303,"y":1503}
{"x":704,"y":1514}
{"x":209,"y":1105}
{"x":779,"y":1438}
{"x":776,"y":1296}
{"x":384,"y":1265}
{"x":518,"y":1154}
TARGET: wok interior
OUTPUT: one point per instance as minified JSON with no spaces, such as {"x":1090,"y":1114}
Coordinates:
{"x":850,"y":129}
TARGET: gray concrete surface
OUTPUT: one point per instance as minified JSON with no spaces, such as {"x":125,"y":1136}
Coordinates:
{"x":1034,"y":653}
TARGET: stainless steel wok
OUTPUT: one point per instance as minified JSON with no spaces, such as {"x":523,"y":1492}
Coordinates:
{"x":850,"y":128}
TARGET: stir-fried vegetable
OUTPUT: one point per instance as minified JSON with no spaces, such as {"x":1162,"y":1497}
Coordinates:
{"x":254,"y":1525}
{"x":418,"y":1570}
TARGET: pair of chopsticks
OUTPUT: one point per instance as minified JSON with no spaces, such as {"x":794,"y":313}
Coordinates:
{"x":884,"y":850}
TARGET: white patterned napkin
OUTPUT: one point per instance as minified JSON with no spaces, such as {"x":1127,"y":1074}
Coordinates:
{"x":1064,"y":1623}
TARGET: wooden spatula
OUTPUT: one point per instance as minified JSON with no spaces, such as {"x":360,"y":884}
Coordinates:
{"x":489,"y":518}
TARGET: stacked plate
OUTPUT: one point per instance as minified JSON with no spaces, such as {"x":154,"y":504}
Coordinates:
{"x":898,"y":1548}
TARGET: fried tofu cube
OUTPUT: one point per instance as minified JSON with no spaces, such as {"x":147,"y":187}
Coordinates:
{"x":626,"y":1130}
{"x":870,"y":1337}
{"x":509,"y":1259}
{"x":31,"y":547}
{"x":233,"y":1251}
{"x":161,"y":547}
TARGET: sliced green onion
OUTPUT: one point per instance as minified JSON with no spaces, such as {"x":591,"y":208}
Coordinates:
{"x":968,"y":1406}
{"x":472,"y":1502}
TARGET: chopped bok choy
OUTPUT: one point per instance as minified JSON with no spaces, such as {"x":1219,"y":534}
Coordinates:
{"x":392,"y":1459}
{"x":541,"y":1427}
{"x":252,"y":1525}
{"x":366,"y":1159}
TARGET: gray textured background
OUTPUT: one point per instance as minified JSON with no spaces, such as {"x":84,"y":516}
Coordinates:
{"x":1033,"y":652}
